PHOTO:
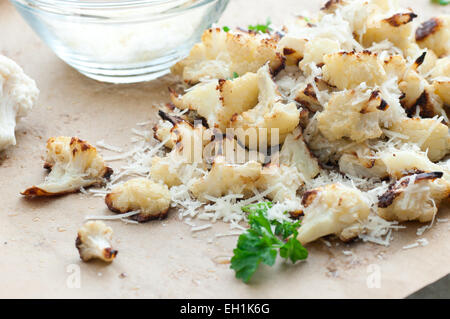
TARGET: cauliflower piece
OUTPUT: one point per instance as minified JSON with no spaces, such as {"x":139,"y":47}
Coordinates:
{"x":355,"y":114}
{"x":270,"y":113}
{"x":414,"y":197}
{"x":307,"y":97}
{"x":283,"y":179}
{"x":217,"y":101}
{"x":293,"y":49}
{"x":73,"y":164}
{"x":224,"y":178}
{"x":440,"y":75}
{"x":315,"y":50}
{"x":361,"y":161}
{"x":442,"y":89}
{"x":18,"y":94}
{"x":434,"y":34}
{"x":347,"y":70}
{"x":140,"y":194}
{"x":94,"y":242}
{"x":428,"y":105}
{"x":296,"y":153}
{"x":163,"y":132}
{"x":221,"y":53}
{"x":428,"y":134}
{"x":397,"y":29}
{"x":405,"y":160}
{"x":333,"y":209}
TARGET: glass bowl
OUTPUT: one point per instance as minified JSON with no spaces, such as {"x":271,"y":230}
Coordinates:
{"x":121,"y":41}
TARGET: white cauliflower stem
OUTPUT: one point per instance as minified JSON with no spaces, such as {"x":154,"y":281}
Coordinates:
{"x":18,"y":93}
{"x":94,"y":242}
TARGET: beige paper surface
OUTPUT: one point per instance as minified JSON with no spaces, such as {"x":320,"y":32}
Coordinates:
{"x":162,"y":259}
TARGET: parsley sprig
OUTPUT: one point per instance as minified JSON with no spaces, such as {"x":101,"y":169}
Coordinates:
{"x":261,"y":242}
{"x":441,"y":2}
{"x":263,"y":28}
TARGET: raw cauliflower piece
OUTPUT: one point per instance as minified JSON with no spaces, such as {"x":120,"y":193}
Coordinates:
{"x":140,"y":194}
{"x":333,"y":209}
{"x":270,"y":113}
{"x":284,"y":181}
{"x":224,"y":178}
{"x":18,"y":94}
{"x":94,"y":242}
{"x":217,"y":101}
{"x":221,"y":54}
{"x":355,"y":114}
{"x":296,"y":153}
{"x":73,"y":164}
{"x":397,"y":29}
{"x":414,"y":197}
{"x":434,"y":34}
{"x":428,"y":134}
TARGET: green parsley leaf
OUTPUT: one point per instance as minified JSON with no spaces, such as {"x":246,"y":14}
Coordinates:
{"x":235,"y":75}
{"x":263,"y":28}
{"x":226,"y":29}
{"x":441,"y":2}
{"x":262,"y":241}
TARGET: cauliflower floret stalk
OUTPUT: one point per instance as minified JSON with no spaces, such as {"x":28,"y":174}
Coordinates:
{"x":151,"y":199}
{"x":73,"y":164}
{"x":18,"y":93}
{"x":94,"y":242}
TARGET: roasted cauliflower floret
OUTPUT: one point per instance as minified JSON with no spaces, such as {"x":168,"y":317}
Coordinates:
{"x":414,"y":197}
{"x":295,"y":153}
{"x":292,"y":49}
{"x":224,"y":178}
{"x":434,"y":34}
{"x":270,"y":113}
{"x":221,"y":54}
{"x":73,"y":164}
{"x":315,"y":50}
{"x":428,"y":134}
{"x":217,"y":101}
{"x":347,"y":70}
{"x":333,"y":209}
{"x":354,"y":114}
{"x":405,"y":160}
{"x":361,"y":161}
{"x":282,"y":179}
{"x":94,"y":242}
{"x":440,"y":77}
{"x":140,"y":194}
{"x":428,"y":105}
{"x":18,"y":94}
{"x":398,"y":29}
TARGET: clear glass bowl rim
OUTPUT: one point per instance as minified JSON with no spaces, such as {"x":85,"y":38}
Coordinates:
{"x":122,"y":4}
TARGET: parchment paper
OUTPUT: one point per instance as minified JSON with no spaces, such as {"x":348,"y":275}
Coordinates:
{"x":163,"y":259}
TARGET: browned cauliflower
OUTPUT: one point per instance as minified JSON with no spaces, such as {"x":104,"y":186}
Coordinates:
{"x":73,"y":164}
{"x":94,"y":242}
{"x":151,"y":199}
{"x":414,"y":197}
{"x":221,"y":54}
{"x":333,"y":209}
